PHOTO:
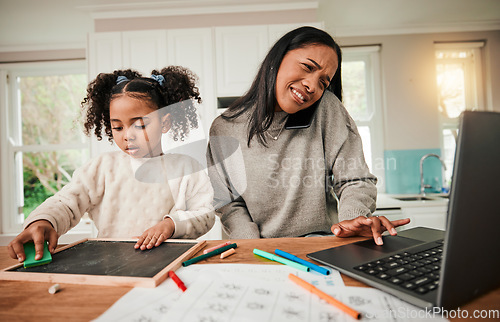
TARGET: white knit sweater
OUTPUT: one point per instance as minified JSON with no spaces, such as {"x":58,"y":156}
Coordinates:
{"x":125,"y":196}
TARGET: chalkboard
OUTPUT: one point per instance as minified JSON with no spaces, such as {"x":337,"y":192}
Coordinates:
{"x":109,"y":262}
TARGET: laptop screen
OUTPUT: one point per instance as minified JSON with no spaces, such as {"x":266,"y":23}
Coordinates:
{"x":471,"y":256}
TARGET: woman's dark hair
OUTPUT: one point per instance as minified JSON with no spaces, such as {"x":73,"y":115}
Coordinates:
{"x":262,"y":94}
{"x":177,"y":86}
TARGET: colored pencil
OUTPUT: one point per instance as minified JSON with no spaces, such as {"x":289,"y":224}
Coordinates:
{"x":281,"y":260}
{"x":311,"y":288}
{"x":207,"y":255}
{"x":208,"y":250}
{"x":177,"y":280}
{"x":294,"y":258}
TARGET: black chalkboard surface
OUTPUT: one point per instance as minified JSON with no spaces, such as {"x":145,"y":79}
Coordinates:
{"x":109,"y":262}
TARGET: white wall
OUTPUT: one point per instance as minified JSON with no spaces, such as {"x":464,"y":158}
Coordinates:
{"x":409,"y":83}
{"x":41,"y":25}
{"x":368,"y":17}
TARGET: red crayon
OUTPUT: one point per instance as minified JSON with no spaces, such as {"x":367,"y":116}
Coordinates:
{"x":177,"y":280}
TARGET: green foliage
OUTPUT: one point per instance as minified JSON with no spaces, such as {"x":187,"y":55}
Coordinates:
{"x":34,"y":192}
{"x":50,"y":111}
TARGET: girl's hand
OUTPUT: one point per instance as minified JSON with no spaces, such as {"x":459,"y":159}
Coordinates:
{"x":156,"y":235}
{"x":38,"y":231}
{"x":368,"y":227}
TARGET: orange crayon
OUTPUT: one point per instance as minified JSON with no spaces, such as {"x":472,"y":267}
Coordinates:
{"x":311,"y":288}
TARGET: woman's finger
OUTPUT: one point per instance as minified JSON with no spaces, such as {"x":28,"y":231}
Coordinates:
{"x":336,"y":230}
{"x":376,"y":231}
{"x":343,"y":230}
{"x":400,"y":222}
{"x":388,"y":225}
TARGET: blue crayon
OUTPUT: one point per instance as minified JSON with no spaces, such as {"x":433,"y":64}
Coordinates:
{"x":294,"y":258}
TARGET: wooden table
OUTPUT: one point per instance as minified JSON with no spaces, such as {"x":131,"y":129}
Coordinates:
{"x":30,"y":301}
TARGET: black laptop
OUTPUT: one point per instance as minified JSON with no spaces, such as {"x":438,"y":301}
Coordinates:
{"x":434,"y":268}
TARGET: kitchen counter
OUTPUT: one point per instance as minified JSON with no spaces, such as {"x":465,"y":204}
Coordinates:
{"x":422,"y":213}
{"x":388,"y":201}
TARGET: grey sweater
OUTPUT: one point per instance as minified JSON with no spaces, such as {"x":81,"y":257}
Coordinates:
{"x":301,"y":183}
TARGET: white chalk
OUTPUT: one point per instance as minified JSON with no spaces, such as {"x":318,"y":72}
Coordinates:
{"x":54,"y":288}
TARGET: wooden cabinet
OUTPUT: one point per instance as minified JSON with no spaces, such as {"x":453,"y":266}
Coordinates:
{"x":144,"y":50}
{"x":104,"y":53}
{"x":192,"y":48}
{"x":239,"y":52}
{"x":279,"y":30}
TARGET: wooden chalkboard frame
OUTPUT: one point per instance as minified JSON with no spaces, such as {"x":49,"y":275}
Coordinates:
{"x":133,"y":281}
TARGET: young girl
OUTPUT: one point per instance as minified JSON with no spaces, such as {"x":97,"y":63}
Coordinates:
{"x":137,"y":191}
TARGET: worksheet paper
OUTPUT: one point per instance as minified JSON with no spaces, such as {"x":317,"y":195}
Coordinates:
{"x":151,"y":304}
{"x":226,"y":297}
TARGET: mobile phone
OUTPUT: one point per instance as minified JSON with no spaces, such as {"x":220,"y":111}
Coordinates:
{"x":302,"y":119}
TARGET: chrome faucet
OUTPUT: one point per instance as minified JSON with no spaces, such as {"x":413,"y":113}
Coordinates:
{"x":422,"y":185}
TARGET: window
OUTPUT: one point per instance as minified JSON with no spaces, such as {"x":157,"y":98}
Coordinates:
{"x":362,"y":98}
{"x":42,"y":141}
{"x":458,"y":70}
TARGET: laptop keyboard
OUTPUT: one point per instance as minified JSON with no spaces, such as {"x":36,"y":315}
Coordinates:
{"x":414,"y":271}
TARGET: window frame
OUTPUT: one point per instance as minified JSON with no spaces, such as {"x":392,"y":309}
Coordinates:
{"x":373,"y":80}
{"x":11,"y":136}
{"x":474,"y":90}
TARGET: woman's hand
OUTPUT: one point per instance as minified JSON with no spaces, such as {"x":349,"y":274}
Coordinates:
{"x":368,"y":227}
{"x":38,"y":231}
{"x":156,"y":235}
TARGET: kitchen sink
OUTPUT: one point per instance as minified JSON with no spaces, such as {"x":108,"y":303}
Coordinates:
{"x":416,"y":198}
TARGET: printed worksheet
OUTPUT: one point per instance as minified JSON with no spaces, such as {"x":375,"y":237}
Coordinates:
{"x":151,"y":304}
{"x":228,"y":297}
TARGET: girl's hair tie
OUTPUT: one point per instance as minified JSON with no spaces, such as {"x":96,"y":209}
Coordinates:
{"x":159,"y":78}
{"x":121,"y":79}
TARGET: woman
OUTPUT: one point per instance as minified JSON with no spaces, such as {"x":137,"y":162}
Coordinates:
{"x":286,"y":159}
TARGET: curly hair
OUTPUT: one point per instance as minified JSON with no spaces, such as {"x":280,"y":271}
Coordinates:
{"x":175,"y":96}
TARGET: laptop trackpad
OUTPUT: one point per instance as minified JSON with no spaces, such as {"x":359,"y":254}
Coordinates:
{"x":350,"y":255}
{"x":391,"y":244}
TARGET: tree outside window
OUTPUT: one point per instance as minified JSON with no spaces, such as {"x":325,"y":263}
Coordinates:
{"x":458,"y":72}
{"x":42,"y":134}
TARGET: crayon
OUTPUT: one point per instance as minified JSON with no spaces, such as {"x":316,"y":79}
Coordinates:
{"x":207,"y":255}
{"x":294,"y":258}
{"x":177,"y":280}
{"x":311,"y":288}
{"x":227,"y":253}
{"x":208,"y":250}
{"x":281,"y":260}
